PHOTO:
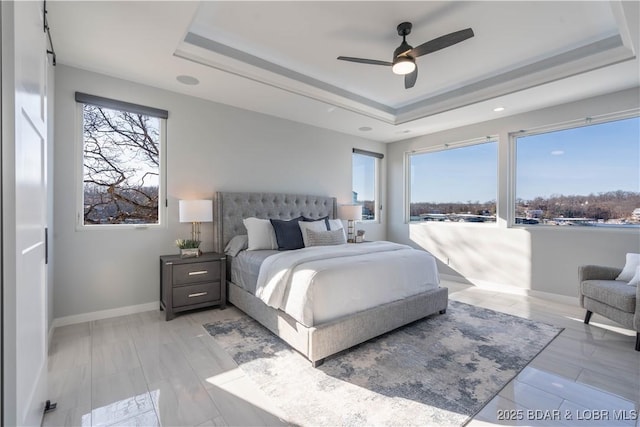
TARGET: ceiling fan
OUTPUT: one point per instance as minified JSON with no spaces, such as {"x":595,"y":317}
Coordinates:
{"x":404,"y":57}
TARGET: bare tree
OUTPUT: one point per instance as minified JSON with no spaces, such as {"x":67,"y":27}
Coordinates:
{"x":617,"y":205}
{"x":121,"y":167}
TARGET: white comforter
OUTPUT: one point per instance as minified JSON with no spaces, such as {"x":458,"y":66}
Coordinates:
{"x":318,"y":284}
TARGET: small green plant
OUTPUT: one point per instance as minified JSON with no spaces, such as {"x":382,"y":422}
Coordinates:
{"x":188,"y":243}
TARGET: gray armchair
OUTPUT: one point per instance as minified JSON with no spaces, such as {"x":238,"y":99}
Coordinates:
{"x":600,"y":293}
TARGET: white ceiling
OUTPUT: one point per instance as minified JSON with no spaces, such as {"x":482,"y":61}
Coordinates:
{"x":279,"y":58}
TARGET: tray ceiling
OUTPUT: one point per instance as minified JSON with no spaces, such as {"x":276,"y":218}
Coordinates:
{"x":279,"y":58}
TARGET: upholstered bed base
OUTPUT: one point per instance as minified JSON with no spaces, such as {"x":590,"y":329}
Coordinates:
{"x":318,"y":342}
{"x":329,"y":338}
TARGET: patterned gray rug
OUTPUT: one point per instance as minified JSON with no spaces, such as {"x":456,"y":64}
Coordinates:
{"x":437,"y":371}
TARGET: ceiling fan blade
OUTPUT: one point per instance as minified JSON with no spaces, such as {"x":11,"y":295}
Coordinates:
{"x":441,"y":42}
{"x":410,"y":79}
{"x":365,"y":61}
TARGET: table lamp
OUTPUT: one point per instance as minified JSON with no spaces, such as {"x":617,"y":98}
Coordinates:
{"x":195,"y":212}
{"x":350,"y":213}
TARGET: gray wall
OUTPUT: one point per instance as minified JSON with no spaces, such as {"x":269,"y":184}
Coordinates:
{"x":544,"y":259}
{"x":210,"y":147}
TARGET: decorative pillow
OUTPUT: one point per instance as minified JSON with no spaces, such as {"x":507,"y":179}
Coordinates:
{"x":336,"y":224}
{"x":288,"y":234}
{"x":237,"y":245}
{"x":324,"y":218}
{"x":325,"y":238}
{"x":635,"y":280}
{"x":260,"y":234}
{"x":633,"y":261}
{"x":319,"y":225}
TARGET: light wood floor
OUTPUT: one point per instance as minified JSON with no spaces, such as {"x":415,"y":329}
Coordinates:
{"x":139,"y":370}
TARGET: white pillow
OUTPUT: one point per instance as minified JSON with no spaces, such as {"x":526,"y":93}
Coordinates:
{"x":260,"y":234}
{"x":313,"y":226}
{"x":633,"y":261}
{"x":636,"y":277}
{"x":336,"y":224}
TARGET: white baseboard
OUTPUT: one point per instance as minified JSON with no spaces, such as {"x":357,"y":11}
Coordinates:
{"x":452,"y":278}
{"x":104,"y":314}
{"x":564,"y":299}
{"x":508,"y":289}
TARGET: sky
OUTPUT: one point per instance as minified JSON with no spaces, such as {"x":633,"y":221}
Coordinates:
{"x":364,"y":176}
{"x":589,"y":159}
{"x":455,"y":175}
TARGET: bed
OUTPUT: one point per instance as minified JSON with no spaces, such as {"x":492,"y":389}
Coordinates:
{"x":320,"y":335}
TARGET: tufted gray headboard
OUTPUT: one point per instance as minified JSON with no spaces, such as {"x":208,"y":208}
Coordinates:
{"x":232,"y":208}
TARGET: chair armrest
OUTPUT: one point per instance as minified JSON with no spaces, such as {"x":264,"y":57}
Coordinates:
{"x":598,"y":272}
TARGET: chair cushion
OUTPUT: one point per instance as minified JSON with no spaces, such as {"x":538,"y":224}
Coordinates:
{"x":614,"y":293}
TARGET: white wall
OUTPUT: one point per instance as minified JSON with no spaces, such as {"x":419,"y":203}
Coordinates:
{"x":529,"y":258}
{"x":211,"y":147}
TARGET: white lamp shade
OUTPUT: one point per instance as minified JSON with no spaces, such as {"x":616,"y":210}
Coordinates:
{"x":195,"y":210}
{"x":350,"y":212}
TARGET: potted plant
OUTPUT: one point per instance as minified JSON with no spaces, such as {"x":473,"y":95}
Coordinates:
{"x":188,"y":248}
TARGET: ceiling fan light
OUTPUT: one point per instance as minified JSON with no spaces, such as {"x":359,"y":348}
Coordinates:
{"x":403,"y":65}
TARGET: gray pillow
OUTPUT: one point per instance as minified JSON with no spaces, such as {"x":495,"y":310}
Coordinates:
{"x":237,"y":244}
{"x":325,"y":238}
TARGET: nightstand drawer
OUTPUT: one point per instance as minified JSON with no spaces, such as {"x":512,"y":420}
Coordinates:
{"x":191,"y":283}
{"x":196,"y":272}
{"x":196,"y":294}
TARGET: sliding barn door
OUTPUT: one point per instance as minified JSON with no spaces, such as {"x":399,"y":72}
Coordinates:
{"x":29,"y":217}
{"x":1,"y":240}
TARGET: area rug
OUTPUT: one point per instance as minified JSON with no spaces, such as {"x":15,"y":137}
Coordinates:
{"x":440,"y":370}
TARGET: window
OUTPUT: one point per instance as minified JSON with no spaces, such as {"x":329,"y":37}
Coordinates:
{"x":121,"y":163}
{"x":454,"y":184}
{"x":587,"y":175}
{"x":365,"y":166}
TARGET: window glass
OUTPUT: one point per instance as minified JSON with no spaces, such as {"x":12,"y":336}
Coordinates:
{"x":455,"y":184}
{"x":584,"y":176}
{"x":365,"y":175}
{"x":121,"y":167}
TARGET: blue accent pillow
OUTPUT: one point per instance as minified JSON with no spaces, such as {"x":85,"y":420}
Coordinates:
{"x":288,"y":234}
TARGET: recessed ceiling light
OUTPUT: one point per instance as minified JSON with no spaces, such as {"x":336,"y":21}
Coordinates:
{"x":498,"y":109}
{"x":188,"y":80}
{"x":364,"y":129}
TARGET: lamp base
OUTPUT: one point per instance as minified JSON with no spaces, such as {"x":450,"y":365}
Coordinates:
{"x":195,"y":231}
{"x":351,"y":226}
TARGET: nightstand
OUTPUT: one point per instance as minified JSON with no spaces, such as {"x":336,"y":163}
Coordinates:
{"x":190,"y":283}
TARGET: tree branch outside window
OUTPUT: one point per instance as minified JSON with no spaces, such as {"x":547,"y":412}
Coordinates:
{"x":121,"y":157}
